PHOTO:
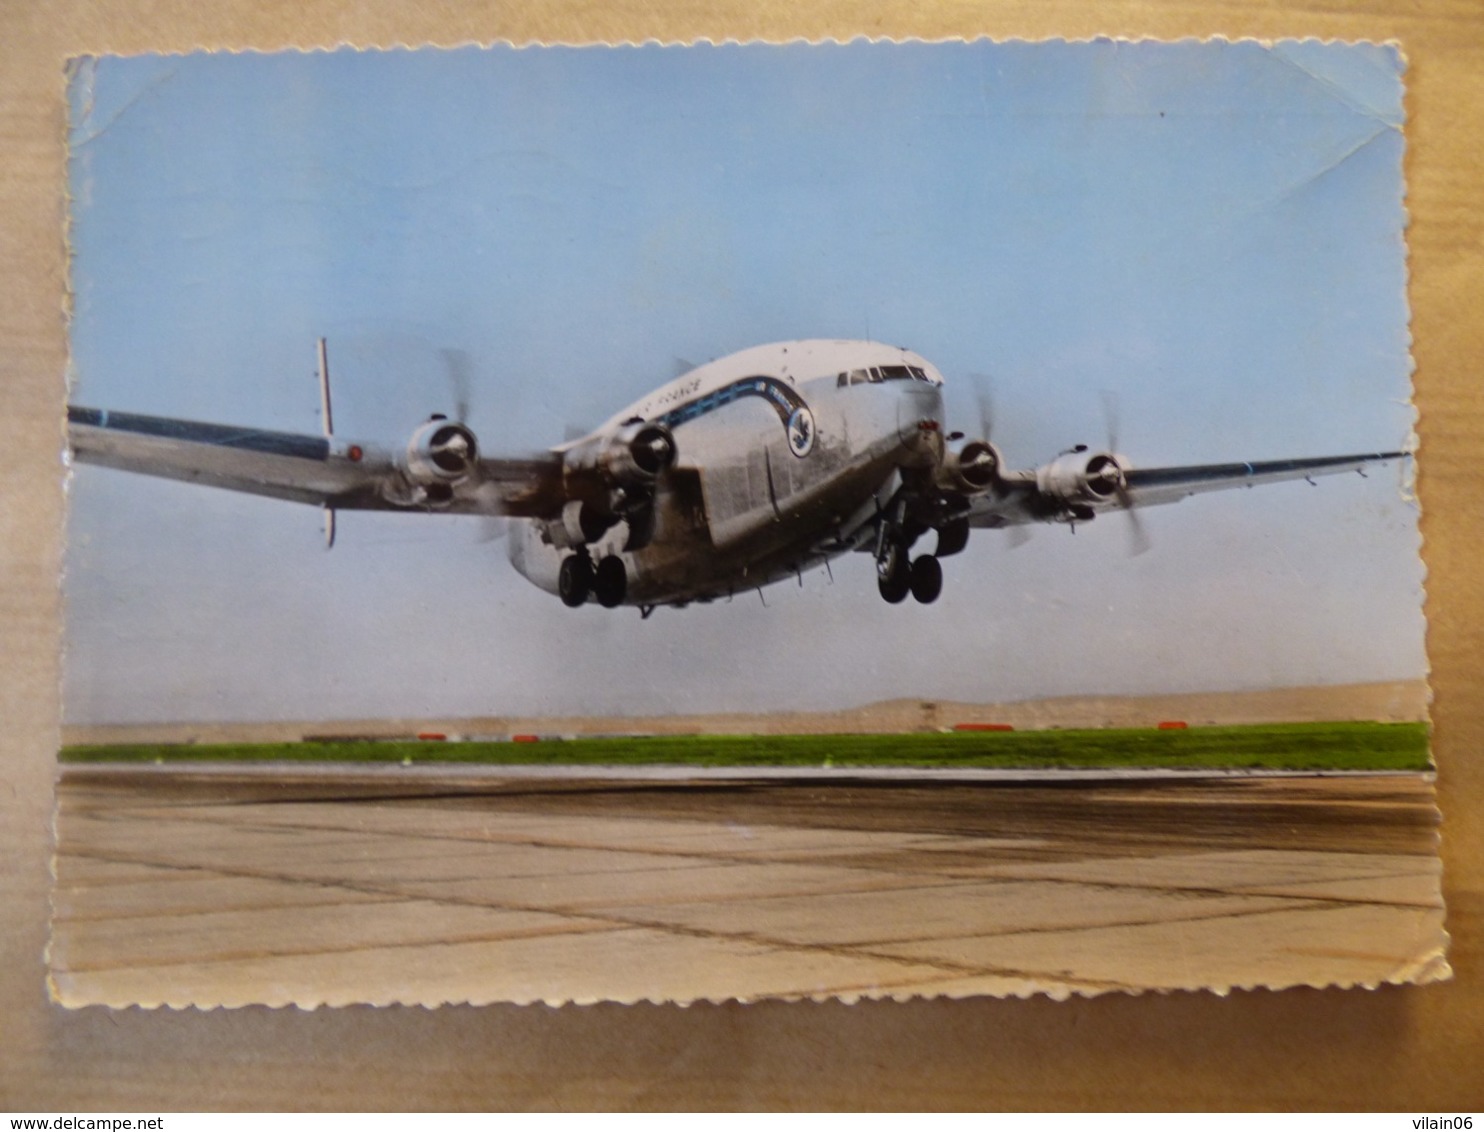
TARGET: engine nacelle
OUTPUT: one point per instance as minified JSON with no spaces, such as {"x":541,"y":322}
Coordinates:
{"x":1082,"y":477}
{"x":971,"y":467}
{"x":637,"y":454}
{"x":580,"y":524}
{"x":441,"y":452}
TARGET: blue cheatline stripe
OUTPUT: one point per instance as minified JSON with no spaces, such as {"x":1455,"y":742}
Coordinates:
{"x":776,"y":393}
{"x":196,"y":432}
{"x":1156,"y":477}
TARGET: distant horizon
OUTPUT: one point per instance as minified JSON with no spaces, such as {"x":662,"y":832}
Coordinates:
{"x":1418,"y":688}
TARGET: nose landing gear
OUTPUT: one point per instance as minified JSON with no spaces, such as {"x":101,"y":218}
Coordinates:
{"x":893,"y":571}
{"x":578,"y":579}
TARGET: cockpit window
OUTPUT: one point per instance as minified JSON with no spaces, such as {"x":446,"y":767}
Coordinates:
{"x":878,"y":374}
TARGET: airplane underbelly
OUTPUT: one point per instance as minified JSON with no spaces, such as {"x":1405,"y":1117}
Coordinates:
{"x":771,"y":538}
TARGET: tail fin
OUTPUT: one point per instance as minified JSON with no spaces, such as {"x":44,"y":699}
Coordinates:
{"x":329,"y":428}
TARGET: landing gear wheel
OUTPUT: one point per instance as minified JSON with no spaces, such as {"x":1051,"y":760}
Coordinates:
{"x":893,"y":577}
{"x":611,"y":582}
{"x":575,"y":579}
{"x":952,"y":538}
{"x":927,"y":579}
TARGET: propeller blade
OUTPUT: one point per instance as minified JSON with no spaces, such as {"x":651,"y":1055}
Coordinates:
{"x":493,"y":528}
{"x":983,"y":386}
{"x":456,"y":364}
{"x":1110,"y":417}
{"x":1138,"y":537}
{"x":1019,"y":536}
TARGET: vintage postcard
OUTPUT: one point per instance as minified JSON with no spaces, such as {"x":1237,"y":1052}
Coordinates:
{"x":708,"y":522}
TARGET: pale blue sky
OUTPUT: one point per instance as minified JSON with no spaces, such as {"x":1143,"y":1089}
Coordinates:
{"x":1213,"y":232}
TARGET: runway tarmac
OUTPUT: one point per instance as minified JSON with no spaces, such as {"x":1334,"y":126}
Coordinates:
{"x":225,"y":887}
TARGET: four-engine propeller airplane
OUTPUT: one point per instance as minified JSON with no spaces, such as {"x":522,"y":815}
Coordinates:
{"x":742,"y":472}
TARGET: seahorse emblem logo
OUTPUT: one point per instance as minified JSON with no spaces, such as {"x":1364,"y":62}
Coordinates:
{"x":801,"y":431}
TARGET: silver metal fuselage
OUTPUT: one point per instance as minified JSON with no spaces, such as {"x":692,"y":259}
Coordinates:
{"x":786,"y":455}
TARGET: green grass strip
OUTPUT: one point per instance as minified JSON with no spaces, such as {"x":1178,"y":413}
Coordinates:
{"x":1294,"y":746}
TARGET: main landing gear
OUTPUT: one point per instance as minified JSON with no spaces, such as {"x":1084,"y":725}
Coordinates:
{"x":579,"y":578}
{"x":897,"y":575}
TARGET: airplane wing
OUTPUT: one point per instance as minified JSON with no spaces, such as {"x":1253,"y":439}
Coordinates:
{"x":1148,"y":486}
{"x":1051,"y":493}
{"x":324,"y":471}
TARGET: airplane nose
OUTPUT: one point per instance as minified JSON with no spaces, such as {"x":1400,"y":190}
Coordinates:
{"x":919,"y":412}
{"x":920,"y":419}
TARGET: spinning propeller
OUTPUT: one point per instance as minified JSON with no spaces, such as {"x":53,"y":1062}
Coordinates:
{"x":1138,"y":537}
{"x":457,"y":368}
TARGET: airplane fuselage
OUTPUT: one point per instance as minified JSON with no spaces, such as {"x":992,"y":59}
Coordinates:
{"x":785,"y":455}
{"x":745,"y":471}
